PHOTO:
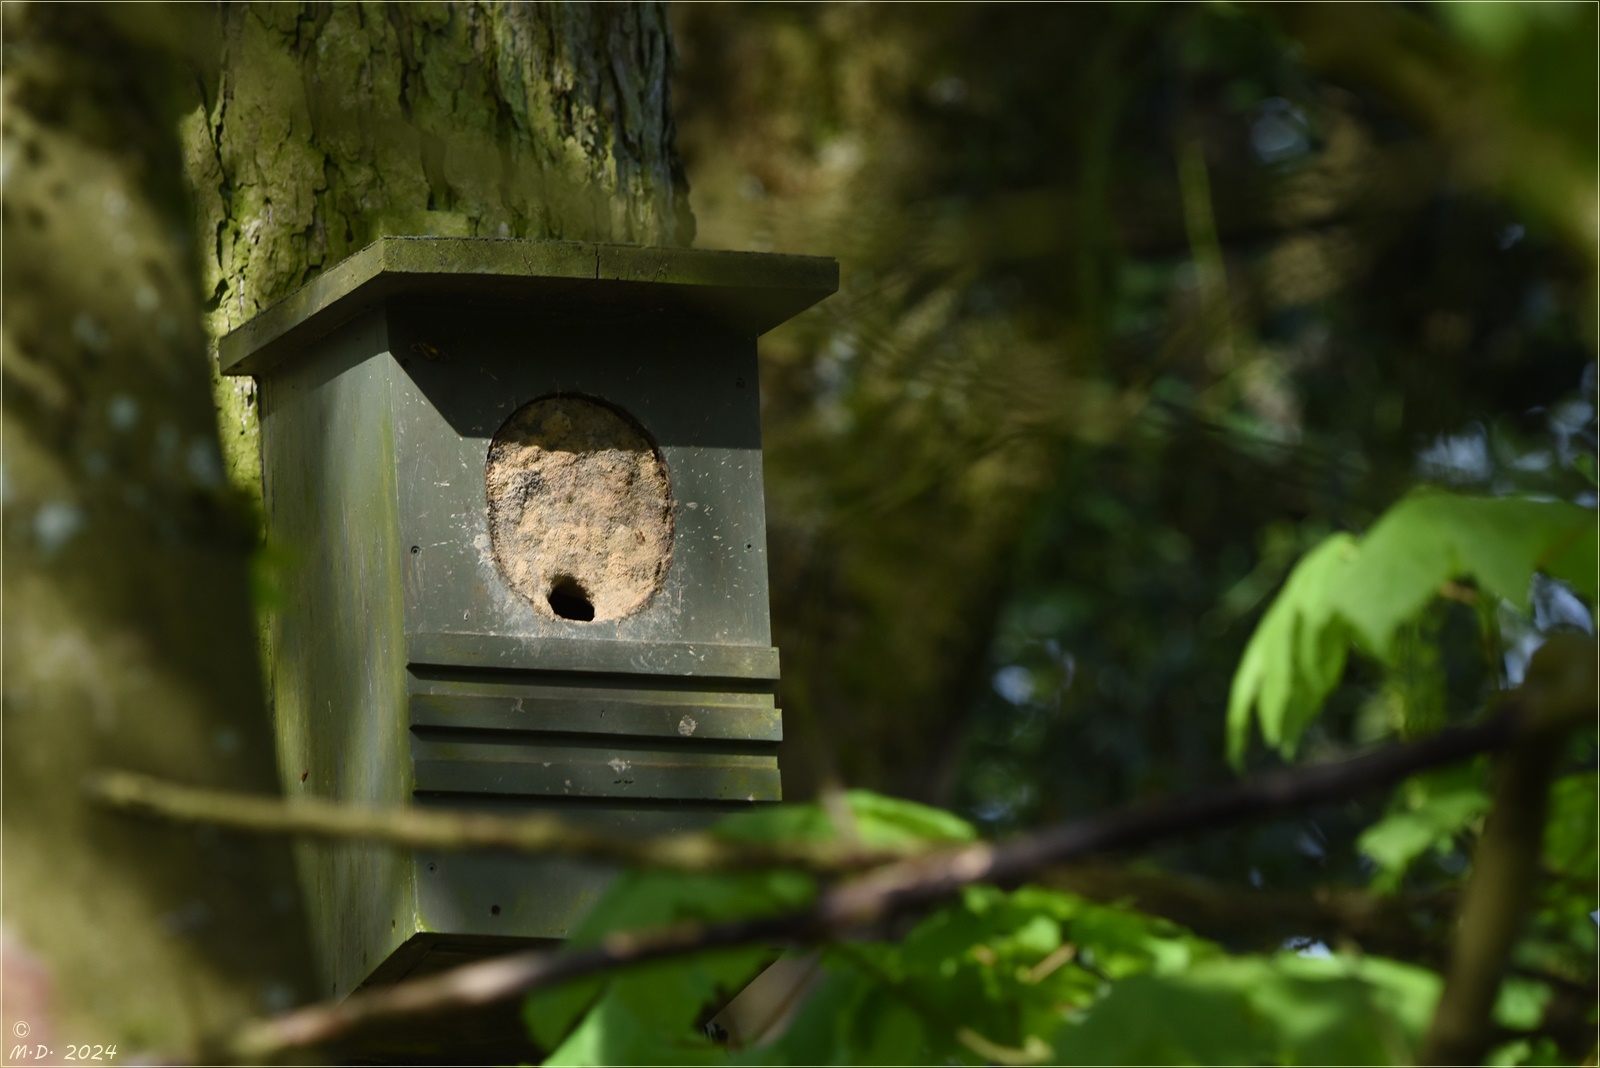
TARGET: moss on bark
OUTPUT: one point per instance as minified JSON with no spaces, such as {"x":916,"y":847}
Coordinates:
{"x":331,"y":126}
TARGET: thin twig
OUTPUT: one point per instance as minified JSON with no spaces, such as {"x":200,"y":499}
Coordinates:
{"x":890,"y":889}
{"x":420,"y":828}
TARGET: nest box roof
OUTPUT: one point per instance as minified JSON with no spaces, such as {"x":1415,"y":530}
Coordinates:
{"x":750,"y":292}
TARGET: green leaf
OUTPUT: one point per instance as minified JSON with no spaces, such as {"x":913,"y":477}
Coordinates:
{"x":1573,"y":560}
{"x":1296,"y":655}
{"x":1584,"y":462}
{"x":1347,"y":592}
{"x":887,"y":1030}
{"x":1152,"y":1020}
{"x":1522,"y":1051}
{"x":1521,"y":1003}
{"x":880,"y":821}
{"x":626,"y":1017}
{"x":648,"y":1014}
{"x":1001,"y":965}
{"x":1569,"y":843}
{"x":1430,"y":538}
{"x":1431,"y":809}
{"x":819,"y":1033}
{"x":1258,"y":1010}
{"x":1499,"y":27}
{"x":885,"y":820}
{"x":1568,"y":898}
{"x":639,"y":900}
{"x":549,"y":1014}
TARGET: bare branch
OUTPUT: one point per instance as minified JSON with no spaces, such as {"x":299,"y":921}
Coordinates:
{"x":895,"y":888}
{"x":489,"y":981}
{"x":420,"y":828}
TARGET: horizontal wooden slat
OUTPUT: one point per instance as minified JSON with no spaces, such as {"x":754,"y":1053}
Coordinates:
{"x":513,"y":653}
{"x":579,"y":771}
{"x":626,"y":713}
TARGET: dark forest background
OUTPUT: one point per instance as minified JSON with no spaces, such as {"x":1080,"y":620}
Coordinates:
{"x":1138,"y":303}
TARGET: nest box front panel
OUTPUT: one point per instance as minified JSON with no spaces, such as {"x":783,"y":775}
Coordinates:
{"x":584,"y":566}
{"x":579,"y":482}
{"x":521,"y":482}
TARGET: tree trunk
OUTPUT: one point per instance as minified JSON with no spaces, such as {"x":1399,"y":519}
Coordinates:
{"x":128,"y":639}
{"x":334,"y":126}
{"x":127,"y":631}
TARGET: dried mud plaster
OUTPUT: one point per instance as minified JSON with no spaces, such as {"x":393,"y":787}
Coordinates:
{"x":580,"y":510}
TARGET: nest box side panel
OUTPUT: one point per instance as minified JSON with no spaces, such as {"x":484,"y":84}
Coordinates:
{"x":339,"y":669}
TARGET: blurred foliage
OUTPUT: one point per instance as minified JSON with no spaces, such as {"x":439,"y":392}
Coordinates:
{"x":1037,"y":975}
{"x":1365,"y":593}
{"x":991,"y":971}
{"x":1027,"y":976}
{"x":1138,"y":304}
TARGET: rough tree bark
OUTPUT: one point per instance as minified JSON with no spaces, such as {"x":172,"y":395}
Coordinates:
{"x":333,"y":126}
{"x":127,"y":616}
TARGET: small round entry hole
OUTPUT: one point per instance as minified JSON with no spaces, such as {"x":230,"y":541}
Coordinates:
{"x":494,"y":910}
{"x":569,"y":600}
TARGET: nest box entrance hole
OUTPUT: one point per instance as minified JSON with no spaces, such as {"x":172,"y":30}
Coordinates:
{"x":569,"y":600}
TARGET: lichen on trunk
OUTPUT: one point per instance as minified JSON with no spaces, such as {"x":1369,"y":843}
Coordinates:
{"x":333,"y":125}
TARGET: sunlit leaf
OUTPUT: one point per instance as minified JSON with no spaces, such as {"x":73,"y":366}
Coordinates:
{"x":879,"y":821}
{"x":647,"y":1015}
{"x":664,"y":1001}
{"x":1522,"y":1051}
{"x":1430,"y":538}
{"x":1000,"y":965}
{"x":1258,"y":1010}
{"x":1347,"y":592}
{"x":1521,"y":1003}
{"x":669,"y":997}
{"x":1296,"y":655}
{"x":1432,"y":808}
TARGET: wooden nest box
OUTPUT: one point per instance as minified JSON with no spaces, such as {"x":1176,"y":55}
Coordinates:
{"x":517,"y":489}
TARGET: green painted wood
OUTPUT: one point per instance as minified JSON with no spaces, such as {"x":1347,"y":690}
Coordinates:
{"x":583,"y":685}
{"x":467,"y":365}
{"x":514,"y":652}
{"x":340,"y":701}
{"x":547,"y":769}
{"x":486,"y":895}
{"x":634,"y":715}
{"x":406,"y":667}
